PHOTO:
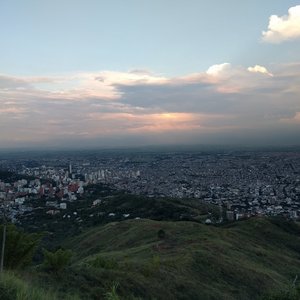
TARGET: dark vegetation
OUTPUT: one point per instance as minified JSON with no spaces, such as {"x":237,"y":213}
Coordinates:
{"x":82,"y":214}
{"x":148,"y":259}
{"x":56,"y":261}
{"x":161,"y":250}
{"x":19,"y":248}
{"x":8,"y":176}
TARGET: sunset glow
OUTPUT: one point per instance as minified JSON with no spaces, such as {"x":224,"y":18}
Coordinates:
{"x":146,"y":78}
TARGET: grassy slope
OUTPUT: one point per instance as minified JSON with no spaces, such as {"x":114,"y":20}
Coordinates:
{"x":194,"y":261}
{"x":12,"y":287}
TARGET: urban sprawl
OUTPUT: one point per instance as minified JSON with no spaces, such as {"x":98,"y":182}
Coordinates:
{"x":242,"y":183}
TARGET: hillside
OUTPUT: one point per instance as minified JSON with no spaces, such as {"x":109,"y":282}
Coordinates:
{"x":149,"y":259}
{"x":113,"y":206}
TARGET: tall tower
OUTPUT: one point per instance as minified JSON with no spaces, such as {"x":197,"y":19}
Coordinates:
{"x":70,"y":168}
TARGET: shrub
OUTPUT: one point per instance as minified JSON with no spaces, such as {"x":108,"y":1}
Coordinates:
{"x":112,"y":294}
{"x":152,"y":267}
{"x":13,"y":288}
{"x":161,"y":234}
{"x":105,"y":263}
{"x":58,"y":260}
{"x":19,"y":247}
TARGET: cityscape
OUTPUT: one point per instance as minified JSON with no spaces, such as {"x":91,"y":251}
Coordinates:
{"x":241,"y":184}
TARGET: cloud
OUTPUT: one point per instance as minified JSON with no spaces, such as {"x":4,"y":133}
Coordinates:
{"x":11,"y":110}
{"x":159,"y":122}
{"x":294,"y":119}
{"x":283,"y":28}
{"x":216,"y":70}
{"x":259,"y":69}
{"x":142,"y":106}
{"x":9,"y":82}
{"x":140,"y":72}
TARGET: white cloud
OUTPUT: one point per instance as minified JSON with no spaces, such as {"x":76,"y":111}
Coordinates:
{"x":259,"y":69}
{"x":216,"y":70}
{"x":80,"y":86}
{"x":283,"y":28}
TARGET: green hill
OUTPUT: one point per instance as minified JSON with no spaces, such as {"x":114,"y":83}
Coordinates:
{"x":147,"y":259}
{"x":115,"y":206}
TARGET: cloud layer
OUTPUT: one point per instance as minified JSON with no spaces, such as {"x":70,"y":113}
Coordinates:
{"x":222,"y":105}
{"x":259,"y":69}
{"x":283,"y":28}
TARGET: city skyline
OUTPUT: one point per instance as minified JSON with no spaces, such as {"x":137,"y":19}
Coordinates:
{"x":97,"y":74}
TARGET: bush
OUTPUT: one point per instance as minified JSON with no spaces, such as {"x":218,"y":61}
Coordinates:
{"x":19,"y":247}
{"x":152,"y":267}
{"x":105,"y":263}
{"x":13,"y":288}
{"x":161,"y":234}
{"x":58,"y":260}
{"x":112,"y":294}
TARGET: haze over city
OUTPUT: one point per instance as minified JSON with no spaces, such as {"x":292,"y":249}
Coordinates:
{"x":130,"y":73}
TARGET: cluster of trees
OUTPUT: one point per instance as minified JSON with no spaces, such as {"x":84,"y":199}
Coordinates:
{"x":20,"y":248}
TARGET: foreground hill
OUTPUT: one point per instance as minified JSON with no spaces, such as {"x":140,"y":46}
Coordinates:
{"x":113,"y":206}
{"x":147,"y":259}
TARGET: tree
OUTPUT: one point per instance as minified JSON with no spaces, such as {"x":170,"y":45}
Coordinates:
{"x":161,"y":234}
{"x":19,"y":247}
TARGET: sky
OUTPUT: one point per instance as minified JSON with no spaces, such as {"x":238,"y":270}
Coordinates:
{"x":93,"y":73}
